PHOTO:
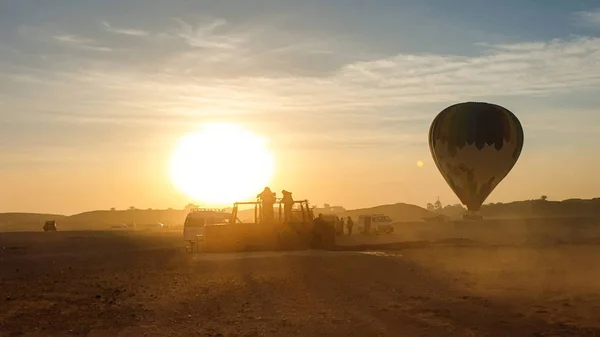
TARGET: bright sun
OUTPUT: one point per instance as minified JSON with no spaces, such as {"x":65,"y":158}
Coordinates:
{"x":222,"y":163}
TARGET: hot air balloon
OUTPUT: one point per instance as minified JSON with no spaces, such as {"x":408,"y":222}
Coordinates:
{"x":475,"y":145}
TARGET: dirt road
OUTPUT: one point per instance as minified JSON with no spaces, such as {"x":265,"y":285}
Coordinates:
{"x":119,"y":284}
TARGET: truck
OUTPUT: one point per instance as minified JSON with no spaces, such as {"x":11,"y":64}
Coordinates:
{"x":220,"y":231}
{"x":197,"y":219}
{"x":267,"y":231}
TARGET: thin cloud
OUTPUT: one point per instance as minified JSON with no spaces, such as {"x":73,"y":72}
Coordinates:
{"x":399,"y":83}
{"x":73,"y":39}
{"x":522,"y":46}
{"x":123,"y":31}
{"x":204,"y":35}
{"x":559,"y":67}
{"x":80,"y":42}
{"x":46,"y":35}
{"x":520,"y":69}
{"x":588,"y":18}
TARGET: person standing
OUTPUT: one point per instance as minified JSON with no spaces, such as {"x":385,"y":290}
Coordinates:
{"x":267,"y":199}
{"x":342,"y":225}
{"x":349,"y":224}
{"x":318,"y":231}
{"x":336,"y":225}
{"x":288,"y":203}
{"x":323,"y":233}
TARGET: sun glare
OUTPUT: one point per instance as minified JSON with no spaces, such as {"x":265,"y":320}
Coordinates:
{"x":222,"y":163}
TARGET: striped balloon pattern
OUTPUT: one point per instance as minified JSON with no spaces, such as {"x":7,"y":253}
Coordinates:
{"x":475,"y":145}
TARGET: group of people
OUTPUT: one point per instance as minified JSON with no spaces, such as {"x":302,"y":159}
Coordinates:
{"x":324,"y":232}
{"x":268,"y":199}
{"x":340,"y":224}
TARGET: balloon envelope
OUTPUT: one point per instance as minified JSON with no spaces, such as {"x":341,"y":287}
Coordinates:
{"x":475,"y":145}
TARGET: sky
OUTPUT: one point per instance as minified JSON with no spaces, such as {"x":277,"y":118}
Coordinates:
{"x":94,"y":95}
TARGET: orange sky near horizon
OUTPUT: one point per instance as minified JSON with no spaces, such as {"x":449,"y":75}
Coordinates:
{"x":321,"y":175}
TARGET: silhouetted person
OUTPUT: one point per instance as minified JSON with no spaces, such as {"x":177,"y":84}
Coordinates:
{"x":267,"y":199}
{"x":318,"y":231}
{"x":350,"y":224}
{"x":336,"y":225}
{"x":341,"y":231}
{"x":288,"y":203}
{"x":323,"y":233}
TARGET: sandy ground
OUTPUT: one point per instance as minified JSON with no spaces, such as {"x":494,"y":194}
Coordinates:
{"x":123,"y":284}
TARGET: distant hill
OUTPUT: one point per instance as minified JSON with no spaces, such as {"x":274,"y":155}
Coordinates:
{"x":543,"y":208}
{"x":399,"y":212}
{"x":402,"y":212}
{"x":104,"y":219}
{"x":94,"y":220}
{"x":25,"y":221}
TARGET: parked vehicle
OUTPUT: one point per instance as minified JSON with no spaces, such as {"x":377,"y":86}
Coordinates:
{"x":380,"y":223}
{"x":50,"y":226}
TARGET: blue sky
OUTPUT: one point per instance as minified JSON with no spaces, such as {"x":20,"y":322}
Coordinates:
{"x":92,"y":88}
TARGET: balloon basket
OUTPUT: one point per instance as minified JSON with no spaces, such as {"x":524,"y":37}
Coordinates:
{"x":472,"y":216}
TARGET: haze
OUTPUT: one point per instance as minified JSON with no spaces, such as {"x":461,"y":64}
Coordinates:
{"x":94,"y":97}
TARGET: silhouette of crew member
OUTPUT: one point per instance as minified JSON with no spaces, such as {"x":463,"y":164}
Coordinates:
{"x":288,"y":203}
{"x":342,"y":225}
{"x":336,"y":225}
{"x":267,"y":199}
{"x":317,"y":231}
{"x":350,"y":224}
{"x":323,"y":233}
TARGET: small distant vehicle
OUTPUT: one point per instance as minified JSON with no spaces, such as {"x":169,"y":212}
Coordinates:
{"x":50,"y":226}
{"x":197,"y":218}
{"x":119,"y":227}
{"x":435,"y":218}
{"x":380,"y":223}
{"x":472,"y":216}
{"x":149,"y":227}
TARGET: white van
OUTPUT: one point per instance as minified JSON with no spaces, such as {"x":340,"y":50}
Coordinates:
{"x":200,"y":217}
{"x":380,"y":223}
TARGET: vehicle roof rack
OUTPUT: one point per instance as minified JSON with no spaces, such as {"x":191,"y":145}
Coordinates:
{"x":198,"y":209}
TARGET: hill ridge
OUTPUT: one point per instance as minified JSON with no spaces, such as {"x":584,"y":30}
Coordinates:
{"x":399,"y":212}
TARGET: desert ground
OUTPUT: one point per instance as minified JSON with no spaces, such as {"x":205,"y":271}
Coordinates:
{"x":438,"y":281}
